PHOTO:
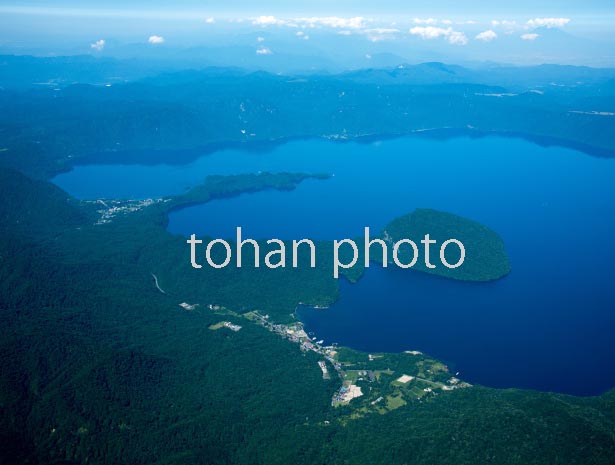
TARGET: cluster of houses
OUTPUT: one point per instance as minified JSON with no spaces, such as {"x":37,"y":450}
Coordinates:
{"x":112,"y":208}
{"x":296,"y":333}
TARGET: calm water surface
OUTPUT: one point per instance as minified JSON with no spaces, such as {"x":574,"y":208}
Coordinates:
{"x":549,"y":325}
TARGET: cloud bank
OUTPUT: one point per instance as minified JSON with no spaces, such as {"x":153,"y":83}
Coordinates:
{"x":486,"y":36}
{"x":356,"y":22}
{"x":548,"y":22}
{"x":432,"y":32}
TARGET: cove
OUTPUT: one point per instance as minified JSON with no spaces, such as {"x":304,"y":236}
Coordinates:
{"x":544,"y":326}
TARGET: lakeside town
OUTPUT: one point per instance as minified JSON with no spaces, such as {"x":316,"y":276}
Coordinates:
{"x":370,"y":382}
{"x":383,"y":388}
{"x":108,"y":209}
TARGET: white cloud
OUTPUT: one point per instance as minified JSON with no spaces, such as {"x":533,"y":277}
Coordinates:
{"x":344,"y":33}
{"x":260,"y":39}
{"x":382,"y":30}
{"x":431,"y":32}
{"x":506,"y":24}
{"x":265,"y":21}
{"x":155,"y":40}
{"x":457,"y":38}
{"x":98,"y":45}
{"x":447,"y":22}
{"x":210,"y":20}
{"x":425,"y":21}
{"x":263,"y":51}
{"x":486,"y":36}
{"x":548,"y":22}
{"x":356,"y":22}
{"x":529,"y":36}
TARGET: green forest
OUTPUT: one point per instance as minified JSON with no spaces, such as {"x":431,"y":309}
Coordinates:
{"x":100,"y":366}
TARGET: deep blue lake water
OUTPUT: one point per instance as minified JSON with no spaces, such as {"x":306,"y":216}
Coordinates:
{"x":549,"y":325}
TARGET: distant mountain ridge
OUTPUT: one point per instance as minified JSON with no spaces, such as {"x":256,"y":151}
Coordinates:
{"x":48,"y":128}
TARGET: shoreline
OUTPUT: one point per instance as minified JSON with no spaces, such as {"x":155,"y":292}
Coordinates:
{"x":179,"y":157}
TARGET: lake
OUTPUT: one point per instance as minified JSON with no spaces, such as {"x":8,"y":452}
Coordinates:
{"x":548,"y":325}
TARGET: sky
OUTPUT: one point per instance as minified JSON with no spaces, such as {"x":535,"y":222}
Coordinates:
{"x":338,"y":7}
{"x":520,"y":31}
